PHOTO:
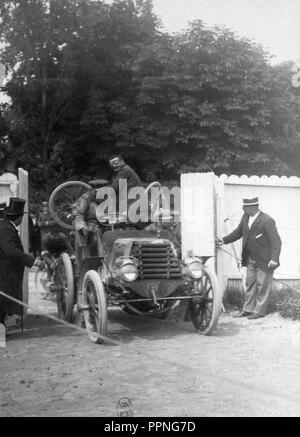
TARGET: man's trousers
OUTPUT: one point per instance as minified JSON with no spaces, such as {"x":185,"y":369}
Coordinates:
{"x":258,"y":289}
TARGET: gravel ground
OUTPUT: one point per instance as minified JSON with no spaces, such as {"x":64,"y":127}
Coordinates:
{"x":247,"y":368}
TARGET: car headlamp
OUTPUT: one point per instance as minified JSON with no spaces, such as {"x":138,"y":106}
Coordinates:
{"x":129,"y":270}
{"x":194,"y":267}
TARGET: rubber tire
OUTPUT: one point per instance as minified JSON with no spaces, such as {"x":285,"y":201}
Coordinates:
{"x":216,"y":306}
{"x":95,"y":336}
{"x":65,"y":259}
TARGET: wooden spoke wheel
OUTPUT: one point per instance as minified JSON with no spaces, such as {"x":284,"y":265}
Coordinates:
{"x":63,"y":199}
{"x":94,"y":300}
{"x":65,"y":287}
{"x":206,"y":304}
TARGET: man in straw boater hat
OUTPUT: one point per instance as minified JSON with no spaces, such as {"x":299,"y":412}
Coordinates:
{"x":260,"y":254}
{"x":13,"y":260}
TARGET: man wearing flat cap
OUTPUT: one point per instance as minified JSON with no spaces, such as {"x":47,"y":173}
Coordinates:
{"x":260,"y":254}
{"x":124,"y":180}
{"x":13,"y":260}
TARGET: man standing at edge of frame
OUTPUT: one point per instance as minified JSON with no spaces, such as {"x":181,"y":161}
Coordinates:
{"x":13,"y":259}
{"x":260,"y":254}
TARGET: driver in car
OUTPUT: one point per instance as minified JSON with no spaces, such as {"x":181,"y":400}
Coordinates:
{"x":84,"y":211}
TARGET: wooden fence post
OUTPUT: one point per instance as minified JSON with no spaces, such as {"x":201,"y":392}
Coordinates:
{"x":198,"y":214}
{"x":219,"y":193}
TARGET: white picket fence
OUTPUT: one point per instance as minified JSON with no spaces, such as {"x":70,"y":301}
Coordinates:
{"x":218,"y":211}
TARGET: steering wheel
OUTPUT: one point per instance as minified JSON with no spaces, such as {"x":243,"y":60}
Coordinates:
{"x":156,"y":200}
{"x":110,"y":219}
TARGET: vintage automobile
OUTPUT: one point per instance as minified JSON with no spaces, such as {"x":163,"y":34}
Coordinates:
{"x":141,"y":271}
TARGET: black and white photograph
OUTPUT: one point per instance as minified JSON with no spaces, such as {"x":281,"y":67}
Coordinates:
{"x":149,"y":212}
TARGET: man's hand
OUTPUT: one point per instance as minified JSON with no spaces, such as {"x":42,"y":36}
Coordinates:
{"x":38,"y":262}
{"x":219,"y":242}
{"x":272,"y":264}
{"x":92,"y":227}
{"x":85,"y":231}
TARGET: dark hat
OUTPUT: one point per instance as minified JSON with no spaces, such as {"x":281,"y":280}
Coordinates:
{"x":98,"y":183}
{"x":45,"y":204}
{"x":115,"y":155}
{"x":16,"y":206}
{"x":249,"y":202}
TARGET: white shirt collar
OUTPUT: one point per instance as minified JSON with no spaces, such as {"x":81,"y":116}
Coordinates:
{"x":253,"y":218}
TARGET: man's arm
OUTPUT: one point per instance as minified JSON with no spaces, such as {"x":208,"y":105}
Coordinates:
{"x":234,"y":235}
{"x":79,"y":211}
{"x":9,"y":246}
{"x":275,"y":240}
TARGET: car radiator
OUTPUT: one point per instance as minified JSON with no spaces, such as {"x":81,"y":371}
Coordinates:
{"x":156,"y":261}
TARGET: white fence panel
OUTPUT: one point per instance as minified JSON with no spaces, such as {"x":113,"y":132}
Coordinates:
{"x":211,"y":206}
{"x":280,"y":198}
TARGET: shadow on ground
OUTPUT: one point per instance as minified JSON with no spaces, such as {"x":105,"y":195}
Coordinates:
{"x":122,"y":328}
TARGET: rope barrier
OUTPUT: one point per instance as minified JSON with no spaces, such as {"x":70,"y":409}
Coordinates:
{"x":67,"y":324}
{"x":105,"y":338}
{"x":56,"y":319}
{"x":238,"y":260}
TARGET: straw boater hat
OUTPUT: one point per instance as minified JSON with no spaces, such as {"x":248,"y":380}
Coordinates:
{"x":249,"y":202}
{"x":16,"y":207}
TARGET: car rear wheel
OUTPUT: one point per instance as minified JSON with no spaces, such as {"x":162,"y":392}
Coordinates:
{"x":64,"y":281}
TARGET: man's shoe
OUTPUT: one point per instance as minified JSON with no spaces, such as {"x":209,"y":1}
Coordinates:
{"x":242,"y":314}
{"x":255,"y":316}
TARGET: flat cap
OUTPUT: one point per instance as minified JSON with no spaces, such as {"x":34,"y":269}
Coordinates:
{"x":97,"y":183}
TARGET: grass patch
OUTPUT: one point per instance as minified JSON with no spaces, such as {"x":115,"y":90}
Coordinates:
{"x":284,"y":300}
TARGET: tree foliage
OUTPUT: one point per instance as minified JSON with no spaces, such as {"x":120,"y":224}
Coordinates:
{"x":90,"y":78}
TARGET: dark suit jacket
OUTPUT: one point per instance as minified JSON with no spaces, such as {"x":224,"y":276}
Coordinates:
{"x":132,"y":180}
{"x":130,"y":175}
{"x":262,"y":241}
{"x":12,"y":263}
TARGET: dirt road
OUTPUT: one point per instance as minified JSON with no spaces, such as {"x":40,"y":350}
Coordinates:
{"x":247,"y":368}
